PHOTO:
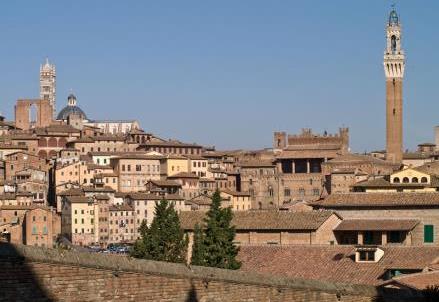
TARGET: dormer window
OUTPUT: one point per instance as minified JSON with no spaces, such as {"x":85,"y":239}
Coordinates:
{"x":368,"y":254}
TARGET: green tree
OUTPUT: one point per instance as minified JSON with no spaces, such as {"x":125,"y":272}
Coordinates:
{"x":215,"y":246}
{"x":198,"y":250}
{"x":163,"y":240}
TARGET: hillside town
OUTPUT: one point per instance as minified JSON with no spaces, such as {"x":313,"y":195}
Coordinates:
{"x":305,"y":207}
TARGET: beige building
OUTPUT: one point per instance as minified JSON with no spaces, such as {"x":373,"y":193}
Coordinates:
{"x":174,"y":164}
{"x":135,"y":171}
{"x":198,"y":165}
{"x":408,"y":180}
{"x":238,"y":201}
{"x":78,"y":219}
{"x":144,"y":206}
{"x":122,"y":225}
{"x":189,"y":182}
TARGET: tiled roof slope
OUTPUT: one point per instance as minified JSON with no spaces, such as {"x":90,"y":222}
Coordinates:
{"x":331,"y":263}
{"x":376,"y":225}
{"x":263,"y":220}
{"x":340,"y":200}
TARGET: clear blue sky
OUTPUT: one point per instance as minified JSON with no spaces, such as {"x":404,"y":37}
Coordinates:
{"x":226,"y":73}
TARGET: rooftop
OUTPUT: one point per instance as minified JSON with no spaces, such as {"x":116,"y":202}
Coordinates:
{"x":332,"y":263}
{"x":263,"y":220}
{"x":376,"y":225}
{"x":340,"y":200}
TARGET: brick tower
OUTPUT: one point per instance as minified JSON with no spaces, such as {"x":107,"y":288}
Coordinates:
{"x":394,"y":62}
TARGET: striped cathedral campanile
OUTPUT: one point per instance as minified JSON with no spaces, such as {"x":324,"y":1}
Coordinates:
{"x":394,"y":63}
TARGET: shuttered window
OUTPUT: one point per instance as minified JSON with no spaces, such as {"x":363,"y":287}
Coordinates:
{"x":428,"y":233}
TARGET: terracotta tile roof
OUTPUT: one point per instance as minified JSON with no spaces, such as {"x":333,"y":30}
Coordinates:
{"x":264,"y":220}
{"x":23,"y":207}
{"x":165,"y":183}
{"x":79,"y":199}
{"x":311,"y":153}
{"x":235,"y":193}
{"x":417,"y":281}
{"x":139,"y":156}
{"x":148,"y":196}
{"x":359,"y":159}
{"x":56,"y":128}
{"x":101,"y":197}
{"x":184,"y":175}
{"x":170,"y":143}
{"x":415,"y":155}
{"x":256,"y":164}
{"x":376,"y":225}
{"x":340,"y":200}
{"x":332,"y":263}
{"x":377,"y":182}
{"x":93,"y":189}
{"x":71,"y":192}
{"x":122,"y":207}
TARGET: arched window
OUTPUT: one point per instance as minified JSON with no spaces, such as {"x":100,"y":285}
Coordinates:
{"x":405,"y":180}
{"x":396,"y":180}
{"x":52,"y":142}
{"x":424,"y":179}
{"x":415,"y":180}
{"x":393,"y":44}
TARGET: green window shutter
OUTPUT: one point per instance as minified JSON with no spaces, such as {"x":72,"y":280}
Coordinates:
{"x":428,"y":233}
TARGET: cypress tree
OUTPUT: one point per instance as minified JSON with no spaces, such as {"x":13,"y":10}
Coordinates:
{"x":163,"y":240}
{"x":217,"y":248}
{"x":198,"y":250}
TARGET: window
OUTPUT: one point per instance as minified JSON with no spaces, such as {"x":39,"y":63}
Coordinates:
{"x":34,"y":230}
{"x":44,"y":230}
{"x":270,"y":191}
{"x":395,"y":237}
{"x":138,"y":168}
{"x":405,"y":180}
{"x":302,"y":192}
{"x":128,"y":168}
{"x":316,"y":192}
{"x":123,"y":167}
{"x":415,"y":180}
{"x":424,"y":180}
{"x":428,"y":233}
{"x":367,"y":255}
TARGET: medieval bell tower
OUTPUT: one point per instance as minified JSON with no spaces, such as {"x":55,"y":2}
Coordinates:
{"x":48,"y":84}
{"x":394,"y":63}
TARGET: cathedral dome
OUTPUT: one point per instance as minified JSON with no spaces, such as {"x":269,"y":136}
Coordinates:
{"x":71,"y":108}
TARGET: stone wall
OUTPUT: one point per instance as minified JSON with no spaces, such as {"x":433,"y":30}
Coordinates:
{"x":38,"y":274}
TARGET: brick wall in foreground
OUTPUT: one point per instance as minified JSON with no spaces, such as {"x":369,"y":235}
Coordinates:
{"x":38,"y":274}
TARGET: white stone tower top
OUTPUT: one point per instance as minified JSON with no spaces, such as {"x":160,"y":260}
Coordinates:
{"x":48,"y":83}
{"x":394,"y":58}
